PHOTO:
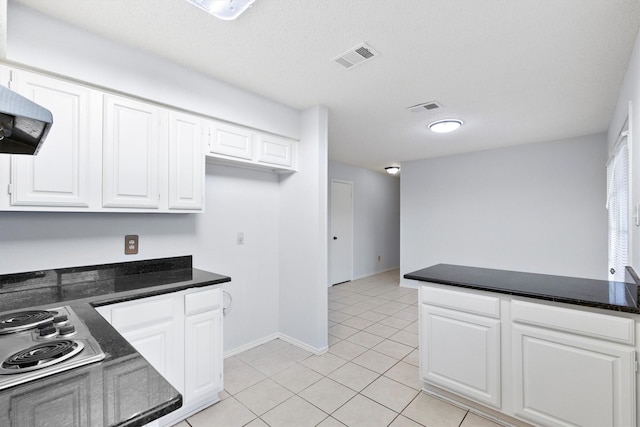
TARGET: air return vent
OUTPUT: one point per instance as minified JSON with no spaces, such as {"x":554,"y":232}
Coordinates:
{"x":426,"y":106}
{"x":356,"y":55}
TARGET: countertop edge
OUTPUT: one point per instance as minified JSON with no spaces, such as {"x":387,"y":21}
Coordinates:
{"x":580,"y":302}
{"x":153,"y":414}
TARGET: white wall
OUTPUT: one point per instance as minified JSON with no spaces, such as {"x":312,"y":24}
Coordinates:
{"x":240,"y":200}
{"x":303,"y":237}
{"x":236,"y":199}
{"x":535,"y":208}
{"x":630,"y":93}
{"x":376,"y":218}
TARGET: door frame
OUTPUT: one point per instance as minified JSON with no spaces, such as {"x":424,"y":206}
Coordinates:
{"x":330,"y":228}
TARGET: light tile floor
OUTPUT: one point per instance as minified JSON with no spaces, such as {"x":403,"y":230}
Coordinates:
{"x":368,"y":378}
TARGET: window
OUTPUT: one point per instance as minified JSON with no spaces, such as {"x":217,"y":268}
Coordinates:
{"x":618,"y":208}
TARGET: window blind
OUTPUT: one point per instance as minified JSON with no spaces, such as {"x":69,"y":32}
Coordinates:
{"x":618,"y":209}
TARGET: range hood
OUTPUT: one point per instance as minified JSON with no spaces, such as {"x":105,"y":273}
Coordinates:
{"x":24,"y":125}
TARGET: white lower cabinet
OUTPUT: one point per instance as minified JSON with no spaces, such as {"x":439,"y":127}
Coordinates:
{"x":565,"y":380}
{"x":461,"y":352}
{"x":460,"y":343}
{"x":180,"y":335}
{"x":572,"y":367}
{"x":541,"y":363}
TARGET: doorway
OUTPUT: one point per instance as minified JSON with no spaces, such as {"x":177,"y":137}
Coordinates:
{"x":341,"y":232}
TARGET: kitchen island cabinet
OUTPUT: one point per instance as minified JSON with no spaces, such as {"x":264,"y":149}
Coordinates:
{"x":460,"y":349}
{"x":524,"y":359}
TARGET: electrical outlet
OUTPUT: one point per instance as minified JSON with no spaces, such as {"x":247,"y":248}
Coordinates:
{"x":240,"y":238}
{"x":379,"y":258}
{"x":131,"y":244}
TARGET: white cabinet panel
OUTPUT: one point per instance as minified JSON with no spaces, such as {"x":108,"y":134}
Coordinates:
{"x":132,"y":143}
{"x":186,"y":162}
{"x":153,"y":327}
{"x":595,"y":325}
{"x":60,"y":174}
{"x":68,"y":403}
{"x":203,"y":356}
{"x":276,"y":151}
{"x":566,"y":380}
{"x":461,"y":352}
{"x":231,"y":140}
{"x":243,"y":147}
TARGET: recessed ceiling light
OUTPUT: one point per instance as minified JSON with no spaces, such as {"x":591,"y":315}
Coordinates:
{"x":223,"y":9}
{"x":392,"y":170}
{"x":446,"y":125}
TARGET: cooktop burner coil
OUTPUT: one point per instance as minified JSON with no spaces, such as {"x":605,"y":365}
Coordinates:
{"x":23,"y":320}
{"x":41,"y":355}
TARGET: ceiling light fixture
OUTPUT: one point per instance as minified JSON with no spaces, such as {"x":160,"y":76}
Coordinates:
{"x":392,"y":170}
{"x":446,"y":125}
{"x":223,"y":9}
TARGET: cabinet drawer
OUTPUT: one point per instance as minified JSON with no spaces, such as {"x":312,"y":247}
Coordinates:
{"x":463,"y":301}
{"x":601,"y":326}
{"x":139,"y":313}
{"x":201,"y":301}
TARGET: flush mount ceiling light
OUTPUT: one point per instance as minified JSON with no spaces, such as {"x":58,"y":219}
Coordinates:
{"x":223,"y":9}
{"x":392,"y":170}
{"x":446,"y":125}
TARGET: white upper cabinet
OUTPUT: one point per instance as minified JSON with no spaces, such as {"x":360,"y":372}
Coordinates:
{"x":239,"y":146}
{"x":275,"y":150}
{"x":229,"y":140}
{"x":131,"y":146}
{"x":186,"y":162}
{"x":60,"y":175}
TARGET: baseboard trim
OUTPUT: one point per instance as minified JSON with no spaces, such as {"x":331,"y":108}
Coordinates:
{"x":250,"y":345}
{"x":283,"y":337}
{"x":304,"y":346}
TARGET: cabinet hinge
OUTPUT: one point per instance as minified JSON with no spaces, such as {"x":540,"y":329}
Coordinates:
{"x":9,"y":189}
{"x":636,"y":364}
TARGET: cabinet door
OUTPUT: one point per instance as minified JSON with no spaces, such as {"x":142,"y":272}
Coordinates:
{"x":569,"y":380}
{"x":276,"y":151}
{"x":66,"y":403}
{"x":203,"y":356}
{"x":186,"y":162}
{"x":132,"y":143}
{"x":153,"y":326}
{"x":231,"y":141}
{"x":203,"y":345}
{"x":59,"y":174}
{"x":461,"y":352}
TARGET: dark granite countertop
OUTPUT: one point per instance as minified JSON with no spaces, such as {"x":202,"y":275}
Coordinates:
{"x":616,"y":296}
{"x":103,"y":401}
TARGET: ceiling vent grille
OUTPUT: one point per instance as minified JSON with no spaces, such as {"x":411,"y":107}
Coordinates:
{"x":426,"y":106}
{"x":356,"y":56}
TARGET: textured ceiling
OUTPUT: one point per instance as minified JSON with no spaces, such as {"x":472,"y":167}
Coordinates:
{"x":515,"y":71}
